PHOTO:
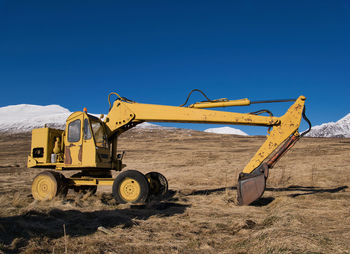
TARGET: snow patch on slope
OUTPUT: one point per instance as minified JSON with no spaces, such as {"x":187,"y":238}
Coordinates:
{"x":146,"y":125}
{"x":226,"y":130}
{"x":340,"y":128}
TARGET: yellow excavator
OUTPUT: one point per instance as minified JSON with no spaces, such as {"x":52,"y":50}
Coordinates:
{"x":89,"y":144}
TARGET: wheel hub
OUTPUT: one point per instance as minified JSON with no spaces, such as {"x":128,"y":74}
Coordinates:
{"x":130,"y":189}
{"x":44,"y":188}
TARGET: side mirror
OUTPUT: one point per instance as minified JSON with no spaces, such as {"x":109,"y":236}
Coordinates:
{"x":120,"y":155}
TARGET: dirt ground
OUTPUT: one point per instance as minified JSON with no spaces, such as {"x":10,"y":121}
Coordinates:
{"x":305,"y":209}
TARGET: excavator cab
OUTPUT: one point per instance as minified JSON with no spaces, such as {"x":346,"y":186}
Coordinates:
{"x":86,"y":142}
{"x":83,"y":145}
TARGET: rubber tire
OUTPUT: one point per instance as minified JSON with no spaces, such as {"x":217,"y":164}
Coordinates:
{"x":136,"y":176}
{"x":160,"y":185}
{"x":59,"y":182}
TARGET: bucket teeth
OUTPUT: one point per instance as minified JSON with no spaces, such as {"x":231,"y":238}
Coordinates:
{"x":252,"y":186}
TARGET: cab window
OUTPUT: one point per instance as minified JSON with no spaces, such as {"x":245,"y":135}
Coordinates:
{"x":74,"y":131}
{"x":99,"y":134}
{"x":87,"y":132}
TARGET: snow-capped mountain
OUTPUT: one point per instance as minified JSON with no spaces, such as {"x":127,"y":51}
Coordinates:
{"x":24,"y":117}
{"x":340,"y":128}
{"x":226,"y":130}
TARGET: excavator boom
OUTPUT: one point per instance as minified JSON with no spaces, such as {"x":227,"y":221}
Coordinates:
{"x":125,"y":114}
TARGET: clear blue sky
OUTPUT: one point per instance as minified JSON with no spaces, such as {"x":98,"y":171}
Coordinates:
{"x":73,"y":53}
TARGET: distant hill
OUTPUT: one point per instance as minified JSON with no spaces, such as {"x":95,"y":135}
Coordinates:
{"x":226,"y":130}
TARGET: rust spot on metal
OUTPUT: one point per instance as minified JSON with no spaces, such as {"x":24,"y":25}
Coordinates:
{"x":272,"y":145}
{"x":67,"y":156}
{"x":80,"y":154}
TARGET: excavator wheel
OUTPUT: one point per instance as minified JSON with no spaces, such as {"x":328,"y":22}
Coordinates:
{"x":130,"y":186}
{"x":48,"y":185}
{"x":158,"y":183}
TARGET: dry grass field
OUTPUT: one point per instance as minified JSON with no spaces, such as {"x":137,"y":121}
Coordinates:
{"x":306,"y":208}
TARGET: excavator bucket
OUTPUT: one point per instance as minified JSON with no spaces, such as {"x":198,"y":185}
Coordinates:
{"x":252,"y":186}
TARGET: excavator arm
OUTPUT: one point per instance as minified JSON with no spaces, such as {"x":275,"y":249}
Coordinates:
{"x":125,"y":114}
{"x":252,"y":180}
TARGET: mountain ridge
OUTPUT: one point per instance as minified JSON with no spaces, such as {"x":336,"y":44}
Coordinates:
{"x":338,"y":129}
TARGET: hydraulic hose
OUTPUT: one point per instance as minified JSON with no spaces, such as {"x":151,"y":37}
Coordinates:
{"x":272,"y":101}
{"x":308,"y":121}
{"x":109,"y":99}
{"x":189,"y":95}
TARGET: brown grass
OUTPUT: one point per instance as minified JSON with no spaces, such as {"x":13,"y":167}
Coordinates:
{"x":304,"y":210}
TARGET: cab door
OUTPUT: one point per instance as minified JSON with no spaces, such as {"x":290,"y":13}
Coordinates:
{"x":102,"y":146}
{"x":73,"y":140}
{"x":89,"y":154}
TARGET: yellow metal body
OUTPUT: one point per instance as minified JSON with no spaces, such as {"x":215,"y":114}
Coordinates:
{"x":89,"y":144}
{"x":289,"y":125}
{"x":78,"y":147}
{"x":90,"y":181}
{"x":42,"y":146}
